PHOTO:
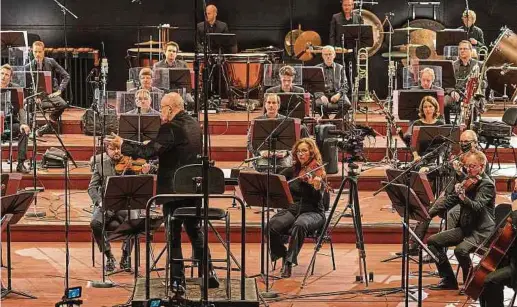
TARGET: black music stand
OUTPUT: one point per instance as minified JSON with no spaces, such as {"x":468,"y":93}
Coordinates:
{"x":429,"y":137}
{"x":409,"y":102}
{"x":313,"y":79}
{"x":12,"y":39}
{"x":129,"y":193}
{"x":43,"y":80}
{"x":360,"y":34}
{"x":139,"y":128}
{"x":448,"y":74}
{"x":173,"y":78}
{"x":16,"y":205}
{"x":289,"y":104}
{"x":285,"y":134}
{"x":448,"y":37}
{"x":222,"y":42}
{"x":418,"y":182}
{"x":266,"y":191}
{"x":397,"y":194}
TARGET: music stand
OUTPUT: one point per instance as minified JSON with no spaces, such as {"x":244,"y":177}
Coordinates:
{"x":289,"y":102}
{"x":12,"y":39}
{"x":16,"y":205}
{"x":397,"y":193}
{"x":265,"y":191}
{"x":43,"y":80}
{"x":360,"y":34}
{"x":223,"y":42}
{"x":313,"y":79}
{"x":426,"y":138}
{"x":448,"y":37}
{"x":130,"y":192}
{"x":448,"y":74}
{"x":284,"y":137}
{"x":139,"y":127}
{"x":408,"y":101}
{"x":173,"y":78}
{"x":418,"y":182}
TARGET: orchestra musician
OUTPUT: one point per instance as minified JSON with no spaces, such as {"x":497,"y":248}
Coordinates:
{"x":428,"y":111}
{"x":345,"y":17}
{"x":505,"y":274}
{"x":474,"y":33}
{"x":282,"y":158}
{"x":19,"y":120}
{"x":468,"y":143}
{"x":145,"y":76}
{"x":287,"y":74}
{"x":112,"y":219}
{"x":306,"y":215}
{"x":170,"y":51}
{"x":476,"y":198}
{"x":336,"y":86}
{"x":213,"y":26}
{"x":463,"y":68}
{"x":143,"y":103}
{"x":178,"y":143}
{"x":427,"y":78}
{"x":53,"y":101}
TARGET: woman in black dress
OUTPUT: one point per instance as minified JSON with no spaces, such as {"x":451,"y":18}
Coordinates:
{"x":428,"y":111}
{"x":306,"y":215}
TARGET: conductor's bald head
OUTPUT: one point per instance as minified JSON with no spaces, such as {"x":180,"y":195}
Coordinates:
{"x":171,"y":104}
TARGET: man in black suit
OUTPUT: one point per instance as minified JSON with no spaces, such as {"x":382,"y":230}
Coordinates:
{"x":53,"y":101}
{"x":213,"y":26}
{"x":19,"y":119}
{"x":476,"y":221}
{"x":345,"y":17}
{"x":336,"y":86}
{"x":178,"y":143}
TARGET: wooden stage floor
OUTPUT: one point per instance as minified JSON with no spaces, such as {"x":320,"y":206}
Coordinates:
{"x":39,"y":270}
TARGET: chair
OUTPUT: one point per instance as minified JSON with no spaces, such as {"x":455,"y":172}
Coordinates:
{"x":508,"y":122}
{"x":188,"y":180}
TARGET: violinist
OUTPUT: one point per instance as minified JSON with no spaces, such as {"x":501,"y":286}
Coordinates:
{"x":475,"y":197}
{"x":306,"y":215}
{"x":468,"y":143}
{"x":428,"y":111}
{"x":111,"y":167}
{"x":504,"y":275}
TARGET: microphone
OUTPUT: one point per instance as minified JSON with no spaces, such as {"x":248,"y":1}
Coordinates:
{"x":391,"y":14}
{"x":252,"y":159}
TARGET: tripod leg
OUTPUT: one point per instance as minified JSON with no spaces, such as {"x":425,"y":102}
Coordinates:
{"x":356,"y":211}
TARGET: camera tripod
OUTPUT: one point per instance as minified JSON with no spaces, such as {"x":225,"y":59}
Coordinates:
{"x":353,"y":203}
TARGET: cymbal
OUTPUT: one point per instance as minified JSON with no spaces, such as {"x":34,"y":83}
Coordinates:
{"x":144,"y":50}
{"x":302,"y":44}
{"x":408,"y":46}
{"x":148,"y":43}
{"x":407,"y":29}
{"x":395,"y":55}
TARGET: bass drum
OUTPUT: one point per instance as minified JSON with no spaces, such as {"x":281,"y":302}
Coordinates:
{"x":425,"y":37}
{"x":504,"y":52}
{"x":371,"y":19}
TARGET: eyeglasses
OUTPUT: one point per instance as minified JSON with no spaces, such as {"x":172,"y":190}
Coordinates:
{"x":302,"y":151}
{"x":470,"y":166}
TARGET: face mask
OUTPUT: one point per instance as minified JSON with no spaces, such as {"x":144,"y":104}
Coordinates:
{"x":465,"y":147}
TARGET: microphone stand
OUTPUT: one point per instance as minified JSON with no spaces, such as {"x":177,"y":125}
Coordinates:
{"x":65,"y":10}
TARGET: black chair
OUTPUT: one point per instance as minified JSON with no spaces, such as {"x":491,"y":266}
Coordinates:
{"x":188,"y":180}
{"x":509,"y":121}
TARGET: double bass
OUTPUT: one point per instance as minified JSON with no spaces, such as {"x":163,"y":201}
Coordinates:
{"x":502,"y":241}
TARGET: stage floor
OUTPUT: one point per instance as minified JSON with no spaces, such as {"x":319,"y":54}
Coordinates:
{"x":39,"y":270}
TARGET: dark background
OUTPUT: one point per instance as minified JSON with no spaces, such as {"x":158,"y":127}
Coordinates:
{"x":256,"y":23}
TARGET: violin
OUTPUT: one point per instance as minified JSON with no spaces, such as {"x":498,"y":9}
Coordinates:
{"x":311,"y":170}
{"x":467,"y":184}
{"x":128,"y":164}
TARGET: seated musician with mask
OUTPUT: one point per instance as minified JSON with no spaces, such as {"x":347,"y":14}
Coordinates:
{"x":336,"y":86}
{"x":112,"y":219}
{"x":428,"y":112}
{"x":282,"y":157}
{"x":306,"y":215}
{"x":468,"y":143}
{"x":19,"y":120}
{"x":476,"y":198}
{"x":504,"y":275}
{"x":143,"y":104}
